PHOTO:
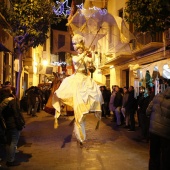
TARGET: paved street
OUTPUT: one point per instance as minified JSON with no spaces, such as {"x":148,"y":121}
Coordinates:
{"x":109,"y":148}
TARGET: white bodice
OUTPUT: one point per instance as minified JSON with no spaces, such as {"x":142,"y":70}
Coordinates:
{"x":78,"y":61}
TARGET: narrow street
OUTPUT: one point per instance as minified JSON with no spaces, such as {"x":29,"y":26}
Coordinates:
{"x":41,"y":147}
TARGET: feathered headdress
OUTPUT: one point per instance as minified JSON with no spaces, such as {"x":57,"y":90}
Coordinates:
{"x":78,"y":41}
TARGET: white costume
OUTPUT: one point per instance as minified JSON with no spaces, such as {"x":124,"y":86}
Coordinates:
{"x":166,"y":71}
{"x":81,"y":93}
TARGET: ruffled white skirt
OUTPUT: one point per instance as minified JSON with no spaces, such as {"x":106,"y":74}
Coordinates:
{"x":82,"y":94}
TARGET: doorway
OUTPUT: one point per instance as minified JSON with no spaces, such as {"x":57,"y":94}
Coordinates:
{"x":108,"y":81}
{"x":125,"y":78}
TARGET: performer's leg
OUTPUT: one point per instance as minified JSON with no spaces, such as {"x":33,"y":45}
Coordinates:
{"x":79,"y":129}
{"x":98,"y":116}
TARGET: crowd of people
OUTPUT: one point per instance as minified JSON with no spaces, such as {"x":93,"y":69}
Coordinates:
{"x":153,"y":117}
{"x":122,"y":105}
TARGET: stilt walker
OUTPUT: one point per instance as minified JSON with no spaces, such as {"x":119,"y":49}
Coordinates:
{"x":79,"y":91}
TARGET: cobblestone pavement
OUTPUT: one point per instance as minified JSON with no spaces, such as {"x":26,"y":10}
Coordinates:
{"x":109,"y":148}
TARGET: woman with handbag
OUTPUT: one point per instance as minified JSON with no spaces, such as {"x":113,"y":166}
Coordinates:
{"x":14,"y":123}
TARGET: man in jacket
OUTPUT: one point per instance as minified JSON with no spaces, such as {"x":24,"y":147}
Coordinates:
{"x":159,"y":113}
{"x":118,"y":104}
{"x":11,"y":114}
{"x":131,"y":108}
{"x":106,"y":97}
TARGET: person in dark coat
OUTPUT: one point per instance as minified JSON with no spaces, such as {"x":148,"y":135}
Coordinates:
{"x":124,"y":103}
{"x":106,"y":97}
{"x":131,"y":108}
{"x":144,"y":120}
{"x":159,"y":113}
{"x":11,"y":114}
{"x":118,"y":104}
{"x":111,"y":104}
{"x":140,"y":99}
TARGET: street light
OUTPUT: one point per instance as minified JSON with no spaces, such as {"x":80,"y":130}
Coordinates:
{"x":45,"y":62}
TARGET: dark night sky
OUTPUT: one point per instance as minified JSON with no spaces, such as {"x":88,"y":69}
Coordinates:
{"x":61,"y":26}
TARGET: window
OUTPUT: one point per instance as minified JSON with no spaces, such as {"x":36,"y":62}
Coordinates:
{"x":108,"y":80}
{"x":120,"y":13}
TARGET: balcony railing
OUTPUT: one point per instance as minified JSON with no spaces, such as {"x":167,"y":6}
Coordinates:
{"x":144,"y":39}
{"x":103,"y":61}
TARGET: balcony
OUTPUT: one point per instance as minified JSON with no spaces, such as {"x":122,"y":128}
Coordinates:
{"x":118,"y":59}
{"x":6,"y":40}
{"x":145,"y":43}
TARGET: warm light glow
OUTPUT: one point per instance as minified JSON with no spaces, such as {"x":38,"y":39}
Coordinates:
{"x":35,"y":63}
{"x":45,"y":62}
{"x":35,"y":67}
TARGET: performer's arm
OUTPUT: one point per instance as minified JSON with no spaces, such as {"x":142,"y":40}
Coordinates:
{"x":79,"y":57}
{"x":91,"y":54}
{"x":92,"y":58}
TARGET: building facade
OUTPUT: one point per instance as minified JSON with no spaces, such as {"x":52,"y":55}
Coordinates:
{"x":6,"y":51}
{"x":147,"y":54}
{"x":125,"y":66}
